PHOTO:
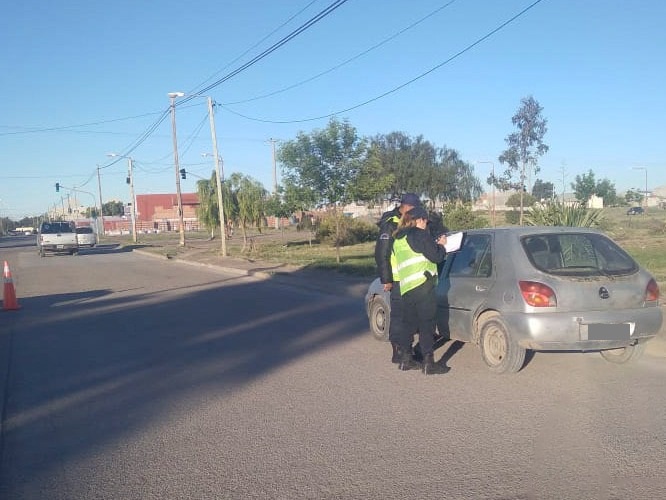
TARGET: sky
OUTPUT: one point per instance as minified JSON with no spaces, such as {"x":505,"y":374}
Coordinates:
{"x":82,"y":79}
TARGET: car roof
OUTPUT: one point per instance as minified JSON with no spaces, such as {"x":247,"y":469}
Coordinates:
{"x":529,"y":230}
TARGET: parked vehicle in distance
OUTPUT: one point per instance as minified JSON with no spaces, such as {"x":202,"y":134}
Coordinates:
{"x":57,"y":237}
{"x":511,"y":289}
{"x":635,"y":211}
{"x":86,"y":237}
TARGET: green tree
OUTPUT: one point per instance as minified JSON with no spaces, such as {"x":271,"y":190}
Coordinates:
{"x":373,"y":182}
{"x":207,"y":210}
{"x":327,"y":163}
{"x":111,"y":208}
{"x":524,"y":147}
{"x":543,"y":190}
{"x":633,"y":195}
{"x":606,"y":190}
{"x":417,"y":165}
{"x":250,"y":198}
{"x":584,"y":187}
{"x":517,"y":199}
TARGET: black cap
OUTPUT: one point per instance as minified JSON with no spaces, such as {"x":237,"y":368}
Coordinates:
{"x":410,"y":199}
{"x":418,"y":213}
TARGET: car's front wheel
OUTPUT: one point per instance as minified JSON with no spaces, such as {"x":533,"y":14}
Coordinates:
{"x":624,"y":354}
{"x":379,"y":319}
{"x":498,"y":350}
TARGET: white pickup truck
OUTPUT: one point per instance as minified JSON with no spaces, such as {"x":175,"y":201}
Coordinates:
{"x":57,"y":237}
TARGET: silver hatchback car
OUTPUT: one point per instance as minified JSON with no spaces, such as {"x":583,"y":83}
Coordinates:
{"x":511,"y":289}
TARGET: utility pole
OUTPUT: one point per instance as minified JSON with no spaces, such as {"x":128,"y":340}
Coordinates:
{"x":172,"y":97}
{"x":130,"y":165}
{"x":101,"y":205}
{"x":275,"y":185}
{"x":223,"y":232}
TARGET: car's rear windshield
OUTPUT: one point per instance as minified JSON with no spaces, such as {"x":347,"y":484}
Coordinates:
{"x":578,"y":254}
{"x":84,"y":230}
{"x":56,"y":227}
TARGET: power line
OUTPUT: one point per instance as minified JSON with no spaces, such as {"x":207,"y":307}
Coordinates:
{"x":344,"y":63}
{"x":399,"y":87}
{"x":67,"y":127}
{"x":328,"y":10}
{"x":256,"y":44}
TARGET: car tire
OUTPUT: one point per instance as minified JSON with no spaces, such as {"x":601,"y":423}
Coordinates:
{"x":379,"y":319}
{"x":498,"y":350}
{"x":624,"y":354}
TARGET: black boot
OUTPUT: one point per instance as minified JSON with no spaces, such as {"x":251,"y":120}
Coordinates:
{"x":406,"y":360}
{"x":395,"y":357}
{"x":418,"y":355}
{"x":432,"y":368}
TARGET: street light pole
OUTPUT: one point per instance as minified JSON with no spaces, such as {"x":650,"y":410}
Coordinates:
{"x":492,"y":210}
{"x":223,"y":232}
{"x":101,"y":205}
{"x":172,"y":97}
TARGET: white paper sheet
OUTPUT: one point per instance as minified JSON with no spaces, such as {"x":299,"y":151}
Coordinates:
{"x":453,"y":241}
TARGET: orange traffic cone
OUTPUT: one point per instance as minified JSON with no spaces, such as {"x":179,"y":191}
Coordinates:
{"x":9,"y":302}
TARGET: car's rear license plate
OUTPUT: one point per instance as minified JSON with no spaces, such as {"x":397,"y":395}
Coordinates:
{"x":60,"y":247}
{"x":613,"y":331}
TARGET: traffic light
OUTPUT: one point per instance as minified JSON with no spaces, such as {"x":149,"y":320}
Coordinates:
{"x":183,"y":173}
{"x":57,"y":187}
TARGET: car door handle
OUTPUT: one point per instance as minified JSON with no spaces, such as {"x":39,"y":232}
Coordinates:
{"x":481,"y":288}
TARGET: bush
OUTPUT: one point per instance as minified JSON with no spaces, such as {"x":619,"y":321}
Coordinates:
{"x":458,"y":217}
{"x":512,"y":217}
{"x":352,"y":231}
{"x":557,"y":214}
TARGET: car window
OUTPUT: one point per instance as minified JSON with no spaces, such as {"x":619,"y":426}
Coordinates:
{"x":474,"y":259}
{"x":578,"y":254}
{"x":56,"y":227}
{"x":84,"y":230}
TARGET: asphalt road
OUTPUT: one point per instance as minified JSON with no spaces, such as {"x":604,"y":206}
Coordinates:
{"x":128,"y":377}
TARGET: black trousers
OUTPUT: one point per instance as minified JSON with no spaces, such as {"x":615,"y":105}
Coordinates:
{"x":396,"y":325}
{"x":419,"y":311}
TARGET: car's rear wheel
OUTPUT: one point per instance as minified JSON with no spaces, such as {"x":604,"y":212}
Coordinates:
{"x":498,"y":350}
{"x":624,"y":354}
{"x":379,"y":319}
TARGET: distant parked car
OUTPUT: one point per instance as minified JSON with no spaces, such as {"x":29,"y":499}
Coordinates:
{"x":86,"y":236}
{"x":511,"y":289}
{"x":635,"y":211}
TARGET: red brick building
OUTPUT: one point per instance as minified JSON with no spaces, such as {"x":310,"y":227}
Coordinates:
{"x":160,"y":212}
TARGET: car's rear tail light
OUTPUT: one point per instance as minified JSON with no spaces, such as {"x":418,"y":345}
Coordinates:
{"x":652,"y":291}
{"x":537,"y":294}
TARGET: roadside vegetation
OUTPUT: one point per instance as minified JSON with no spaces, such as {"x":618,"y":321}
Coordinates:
{"x":642,"y":236}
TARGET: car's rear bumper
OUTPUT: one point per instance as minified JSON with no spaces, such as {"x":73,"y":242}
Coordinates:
{"x":571,"y":332}
{"x":59,"y":248}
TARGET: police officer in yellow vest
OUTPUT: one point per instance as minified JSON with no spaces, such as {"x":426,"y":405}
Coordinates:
{"x":388,"y":223}
{"x":416,"y":256}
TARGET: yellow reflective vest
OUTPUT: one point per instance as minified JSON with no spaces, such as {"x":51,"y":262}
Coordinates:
{"x":409,"y":266}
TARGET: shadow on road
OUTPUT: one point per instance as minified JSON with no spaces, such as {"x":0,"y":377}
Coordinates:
{"x":106,"y":363}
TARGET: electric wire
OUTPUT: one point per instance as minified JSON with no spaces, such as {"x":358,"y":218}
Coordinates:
{"x":344,"y":63}
{"x":399,"y":87}
{"x":328,"y":10}
{"x":254,"y":46}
